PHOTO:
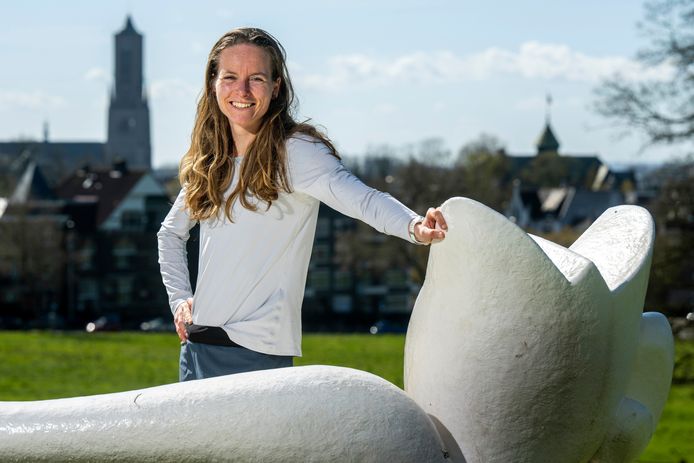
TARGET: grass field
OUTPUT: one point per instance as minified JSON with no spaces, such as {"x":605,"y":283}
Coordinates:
{"x":43,"y":365}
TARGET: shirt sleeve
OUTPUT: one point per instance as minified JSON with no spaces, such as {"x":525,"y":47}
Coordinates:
{"x":317,"y":173}
{"x":173,"y":256}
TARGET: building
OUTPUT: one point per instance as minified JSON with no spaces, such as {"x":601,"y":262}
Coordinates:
{"x":32,"y":224}
{"x":83,"y":249}
{"x":128,"y":112}
{"x":552,"y":191}
{"x":128,"y":123}
{"x":112,"y":266}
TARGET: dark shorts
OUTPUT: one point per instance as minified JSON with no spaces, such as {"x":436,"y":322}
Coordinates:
{"x":200,"y":361}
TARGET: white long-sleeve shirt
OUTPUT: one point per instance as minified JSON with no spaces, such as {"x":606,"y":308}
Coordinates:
{"x":252,"y":272}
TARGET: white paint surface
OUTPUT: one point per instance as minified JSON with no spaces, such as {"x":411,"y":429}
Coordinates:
{"x":303,"y":414}
{"x":522,"y":350}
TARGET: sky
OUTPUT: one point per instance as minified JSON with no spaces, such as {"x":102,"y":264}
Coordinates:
{"x":370,"y":73}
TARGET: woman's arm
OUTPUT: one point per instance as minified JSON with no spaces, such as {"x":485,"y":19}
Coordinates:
{"x":173,"y":257}
{"x":317,"y":173}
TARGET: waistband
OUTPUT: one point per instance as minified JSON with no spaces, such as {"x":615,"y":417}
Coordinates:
{"x":209,"y":335}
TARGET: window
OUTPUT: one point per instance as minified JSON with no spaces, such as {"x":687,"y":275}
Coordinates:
{"x":396,"y":303}
{"x":343,"y":280}
{"x":321,"y":254}
{"x":396,"y":278}
{"x":132,"y":220}
{"x":124,"y":289}
{"x":323,"y":228}
{"x":342,"y":303}
{"x":85,"y":256}
{"x":319,"y":280}
{"x":87,"y":290}
{"x":123,"y":252}
{"x":344,"y":223}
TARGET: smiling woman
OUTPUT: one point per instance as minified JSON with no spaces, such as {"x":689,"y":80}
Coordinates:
{"x":248,"y":151}
{"x":244,"y":90}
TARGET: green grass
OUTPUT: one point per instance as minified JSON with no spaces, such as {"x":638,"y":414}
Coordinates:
{"x":44,"y":365}
{"x":674,"y":438}
{"x":684,"y":362}
{"x":381,"y":355}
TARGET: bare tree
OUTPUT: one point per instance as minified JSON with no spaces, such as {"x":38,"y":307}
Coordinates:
{"x":662,"y":109}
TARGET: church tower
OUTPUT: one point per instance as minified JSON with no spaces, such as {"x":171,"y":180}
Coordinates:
{"x":128,"y":113}
{"x":547,"y":143}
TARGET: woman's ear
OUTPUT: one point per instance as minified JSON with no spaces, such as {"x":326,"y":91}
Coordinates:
{"x":213,"y":83}
{"x":276,"y":87}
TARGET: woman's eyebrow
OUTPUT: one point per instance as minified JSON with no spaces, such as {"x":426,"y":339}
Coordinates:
{"x":259,"y":73}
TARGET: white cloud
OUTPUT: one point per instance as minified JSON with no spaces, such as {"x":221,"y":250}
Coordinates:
{"x":29,"y":100}
{"x":532,"y":60}
{"x":172,"y":88}
{"x":96,"y":74}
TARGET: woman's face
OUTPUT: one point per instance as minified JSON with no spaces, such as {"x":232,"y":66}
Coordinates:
{"x":244,"y":87}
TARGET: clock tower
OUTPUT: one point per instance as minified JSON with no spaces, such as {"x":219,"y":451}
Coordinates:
{"x":128,"y":113}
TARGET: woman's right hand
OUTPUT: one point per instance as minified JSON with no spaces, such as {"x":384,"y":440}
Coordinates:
{"x":183,"y":317}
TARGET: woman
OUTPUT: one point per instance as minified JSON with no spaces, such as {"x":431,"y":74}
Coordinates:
{"x":253,"y":178}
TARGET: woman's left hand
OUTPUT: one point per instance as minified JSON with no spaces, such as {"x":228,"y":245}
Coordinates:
{"x":433,"y":228}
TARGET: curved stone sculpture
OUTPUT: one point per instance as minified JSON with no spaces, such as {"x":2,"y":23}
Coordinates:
{"x":523,"y":350}
{"x":518,"y":350}
{"x":303,"y":414}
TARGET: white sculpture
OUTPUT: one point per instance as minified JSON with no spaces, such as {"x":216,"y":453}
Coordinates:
{"x":518,"y":350}
{"x":523,"y":350}
{"x":303,"y":414}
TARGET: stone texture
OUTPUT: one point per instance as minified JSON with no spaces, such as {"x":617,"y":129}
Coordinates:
{"x":523,"y":350}
{"x":302,"y":414}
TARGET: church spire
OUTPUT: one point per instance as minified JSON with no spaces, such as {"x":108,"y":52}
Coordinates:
{"x":548,"y":141}
{"x":129,"y":26}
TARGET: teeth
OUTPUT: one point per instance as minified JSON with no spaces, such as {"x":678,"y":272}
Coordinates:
{"x":241,"y":105}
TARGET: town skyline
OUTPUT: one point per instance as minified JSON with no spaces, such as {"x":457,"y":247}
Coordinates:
{"x":369,"y":85}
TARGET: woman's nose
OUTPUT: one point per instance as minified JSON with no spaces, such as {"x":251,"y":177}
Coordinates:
{"x":243,"y":86}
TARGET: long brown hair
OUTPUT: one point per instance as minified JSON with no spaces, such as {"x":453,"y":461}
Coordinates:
{"x":207,"y":169}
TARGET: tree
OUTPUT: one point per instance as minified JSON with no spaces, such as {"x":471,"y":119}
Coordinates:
{"x":425,"y":180}
{"x":483,"y":144}
{"x":672,"y":273}
{"x":662,"y":109}
{"x":420,"y":176}
{"x":485,"y":169}
{"x":31,"y":261}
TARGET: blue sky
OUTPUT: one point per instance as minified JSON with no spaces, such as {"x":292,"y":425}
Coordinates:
{"x":372,"y":73}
